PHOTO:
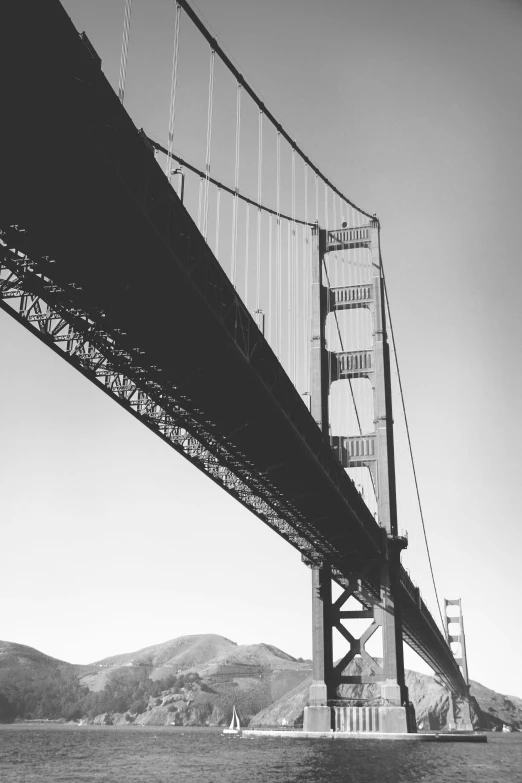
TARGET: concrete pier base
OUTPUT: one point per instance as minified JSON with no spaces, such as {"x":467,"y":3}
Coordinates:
{"x":455,"y":727}
{"x":317,"y":719}
{"x":381,"y":719}
{"x":345,"y":735}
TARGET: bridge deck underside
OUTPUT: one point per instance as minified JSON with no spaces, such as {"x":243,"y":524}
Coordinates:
{"x":79,"y":179}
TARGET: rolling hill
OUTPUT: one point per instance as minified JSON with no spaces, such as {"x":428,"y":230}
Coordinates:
{"x":196,"y":680}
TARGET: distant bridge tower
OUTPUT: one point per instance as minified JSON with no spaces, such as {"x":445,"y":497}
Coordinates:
{"x":374,"y":451}
{"x":459,"y":716}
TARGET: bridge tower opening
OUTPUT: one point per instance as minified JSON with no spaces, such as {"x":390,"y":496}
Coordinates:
{"x":391,"y":712}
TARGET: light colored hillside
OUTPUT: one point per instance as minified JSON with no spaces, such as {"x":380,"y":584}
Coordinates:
{"x":210,"y":655}
{"x":181,"y":652}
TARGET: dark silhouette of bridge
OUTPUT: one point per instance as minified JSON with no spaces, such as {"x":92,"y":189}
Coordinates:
{"x":101,"y":261}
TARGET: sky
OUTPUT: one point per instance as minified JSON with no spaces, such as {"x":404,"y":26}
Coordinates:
{"x":112,"y":541}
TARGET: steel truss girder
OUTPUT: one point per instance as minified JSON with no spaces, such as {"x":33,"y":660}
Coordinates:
{"x":55,"y":313}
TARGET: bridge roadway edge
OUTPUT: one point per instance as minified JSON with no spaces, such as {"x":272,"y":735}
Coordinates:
{"x":78,"y":202}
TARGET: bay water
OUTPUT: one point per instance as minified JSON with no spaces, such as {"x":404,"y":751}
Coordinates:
{"x":51,"y":753}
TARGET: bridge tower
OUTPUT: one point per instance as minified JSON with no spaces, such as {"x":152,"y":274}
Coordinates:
{"x":459,"y":715}
{"x":325,"y":712}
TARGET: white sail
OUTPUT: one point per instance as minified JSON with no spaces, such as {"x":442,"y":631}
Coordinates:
{"x":235,"y":726}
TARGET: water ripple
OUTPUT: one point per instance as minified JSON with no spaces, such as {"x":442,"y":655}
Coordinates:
{"x":97,"y":754}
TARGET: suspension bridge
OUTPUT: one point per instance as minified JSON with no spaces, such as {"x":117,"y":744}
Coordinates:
{"x":232,"y":299}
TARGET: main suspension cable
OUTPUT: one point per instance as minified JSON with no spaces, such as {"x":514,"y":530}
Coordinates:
{"x":219,"y":184}
{"x":241,"y":80}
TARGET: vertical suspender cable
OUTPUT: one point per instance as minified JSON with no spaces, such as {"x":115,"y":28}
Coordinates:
{"x":317,"y":215}
{"x":259,"y":180}
{"x":305,"y":276}
{"x":333,"y":356}
{"x":342,"y":349}
{"x":270,"y":286}
{"x":316,"y":218}
{"x":325,"y":266}
{"x":209,"y":141}
{"x":288,"y":299}
{"x":173,"y":84}
{"x":326,"y":206}
{"x":200,"y":195}
{"x":236,"y":186}
{"x":346,"y":258}
{"x":338,"y":329}
{"x":124,"y":50}
{"x":247,"y":244}
{"x":279,"y":323}
{"x":295,"y":298}
{"x":218,"y":206}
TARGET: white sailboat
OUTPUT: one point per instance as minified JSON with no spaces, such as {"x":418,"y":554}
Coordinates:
{"x":235,"y":726}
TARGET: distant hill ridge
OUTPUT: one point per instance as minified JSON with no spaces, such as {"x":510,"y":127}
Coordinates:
{"x":196,"y":680}
{"x":12,"y":651}
{"x":194,"y":650}
{"x":181,"y":651}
